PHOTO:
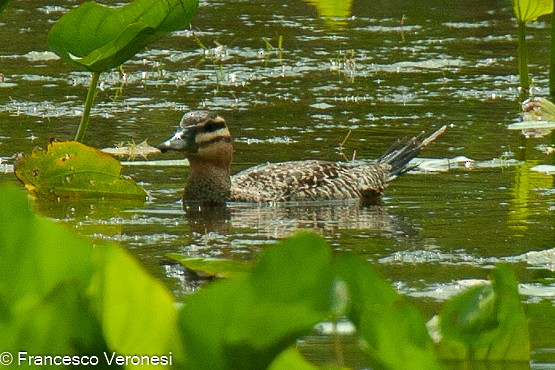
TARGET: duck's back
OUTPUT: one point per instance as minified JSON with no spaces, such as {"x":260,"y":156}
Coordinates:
{"x":310,"y":181}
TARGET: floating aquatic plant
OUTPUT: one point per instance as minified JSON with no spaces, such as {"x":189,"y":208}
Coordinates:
{"x":527,"y":11}
{"x":73,"y":170}
{"x":98,"y":38}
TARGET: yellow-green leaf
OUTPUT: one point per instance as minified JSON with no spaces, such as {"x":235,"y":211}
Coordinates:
{"x":217,"y":267}
{"x":73,"y":170}
{"x":530,"y":10}
{"x":97,"y":37}
{"x":335,"y":12}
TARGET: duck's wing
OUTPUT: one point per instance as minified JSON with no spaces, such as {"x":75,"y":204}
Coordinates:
{"x":309,"y":181}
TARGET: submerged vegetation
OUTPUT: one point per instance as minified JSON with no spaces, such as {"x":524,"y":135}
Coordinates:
{"x":59,"y":282}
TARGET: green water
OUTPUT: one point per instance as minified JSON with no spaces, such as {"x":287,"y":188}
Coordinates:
{"x":389,"y":70}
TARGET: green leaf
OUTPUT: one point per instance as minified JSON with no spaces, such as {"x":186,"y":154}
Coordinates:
{"x":137,"y":312}
{"x":245,"y":323}
{"x":530,"y":10}
{"x":335,"y":12}
{"x":217,"y":267}
{"x":394,"y":333}
{"x":73,"y":170}
{"x":44,"y":272}
{"x":97,"y":38}
{"x":59,"y":295}
{"x":4,"y":4}
{"x":291,"y":359}
{"x":486,"y":322}
{"x":367,"y":289}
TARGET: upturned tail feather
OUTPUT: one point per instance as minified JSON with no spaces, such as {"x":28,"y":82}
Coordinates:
{"x":403,"y":151}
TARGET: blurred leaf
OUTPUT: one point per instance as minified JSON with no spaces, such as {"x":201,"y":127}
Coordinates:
{"x":26,"y":241}
{"x":530,"y":10}
{"x":73,"y":170}
{"x":137,"y":312}
{"x":4,"y":4}
{"x":395,"y":334}
{"x":245,"y":323}
{"x":217,"y":267}
{"x":59,"y":295}
{"x":486,"y":323}
{"x":44,"y":272}
{"x":335,"y":12}
{"x":97,"y":38}
{"x":291,"y":359}
{"x":367,"y":289}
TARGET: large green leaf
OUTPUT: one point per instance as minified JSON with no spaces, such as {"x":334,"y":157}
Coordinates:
{"x":486,"y":323}
{"x":73,"y":170}
{"x":59,"y":295}
{"x":530,"y":10}
{"x":245,"y":323}
{"x":137,"y":312}
{"x":394,"y":333}
{"x":44,"y":273}
{"x":4,"y":4}
{"x":97,"y":38}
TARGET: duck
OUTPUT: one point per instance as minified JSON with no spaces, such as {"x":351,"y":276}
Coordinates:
{"x":205,"y":140}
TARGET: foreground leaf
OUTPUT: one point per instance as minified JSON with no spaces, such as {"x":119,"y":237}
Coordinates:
{"x":245,"y":323}
{"x":44,"y":273}
{"x":486,"y":323}
{"x":394,"y":333}
{"x":73,"y":170}
{"x":97,"y":38}
{"x":59,"y":295}
{"x":137,"y":312}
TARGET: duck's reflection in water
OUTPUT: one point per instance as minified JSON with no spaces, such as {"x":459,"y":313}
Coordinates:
{"x":240,"y":231}
{"x":245,"y":228}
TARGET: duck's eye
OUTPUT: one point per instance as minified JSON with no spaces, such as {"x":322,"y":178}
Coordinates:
{"x":209,"y":126}
{"x":212,"y":126}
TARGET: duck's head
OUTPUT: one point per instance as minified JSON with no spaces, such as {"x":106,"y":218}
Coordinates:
{"x":201,"y":135}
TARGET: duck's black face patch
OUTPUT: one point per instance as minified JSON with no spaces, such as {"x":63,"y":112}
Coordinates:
{"x":197,"y":129}
{"x":213,"y":125}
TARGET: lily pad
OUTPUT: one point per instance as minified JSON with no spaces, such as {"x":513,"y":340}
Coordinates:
{"x":97,"y":38}
{"x":530,"y":10}
{"x":216,"y":267}
{"x":538,"y":109}
{"x":73,"y":170}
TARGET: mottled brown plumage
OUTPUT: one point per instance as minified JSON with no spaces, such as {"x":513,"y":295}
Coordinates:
{"x":205,"y":140}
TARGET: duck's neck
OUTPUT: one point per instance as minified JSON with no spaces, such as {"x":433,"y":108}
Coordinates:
{"x":208,"y":184}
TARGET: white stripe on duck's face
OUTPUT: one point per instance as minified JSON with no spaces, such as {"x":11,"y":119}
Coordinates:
{"x":212,"y":141}
{"x":211,"y":131}
{"x":197,"y":129}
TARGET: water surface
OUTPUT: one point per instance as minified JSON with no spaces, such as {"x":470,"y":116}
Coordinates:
{"x":390,"y":69}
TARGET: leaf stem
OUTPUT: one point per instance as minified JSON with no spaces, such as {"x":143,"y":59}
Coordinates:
{"x":552,"y":63}
{"x":91,"y":94}
{"x":523,"y":56}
